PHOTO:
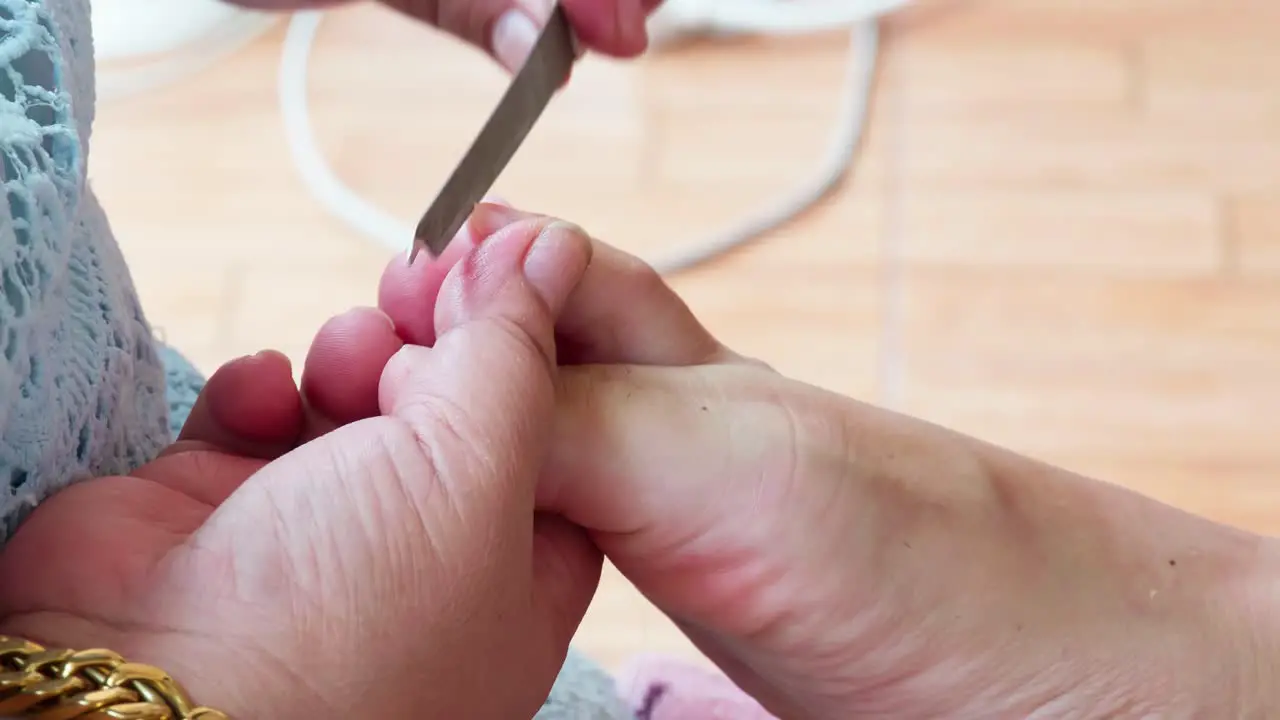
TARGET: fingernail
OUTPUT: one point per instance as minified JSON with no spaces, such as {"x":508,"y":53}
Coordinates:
{"x":265,"y":354}
{"x":555,"y":260}
{"x":513,"y":37}
{"x":268,"y":354}
{"x":488,"y":218}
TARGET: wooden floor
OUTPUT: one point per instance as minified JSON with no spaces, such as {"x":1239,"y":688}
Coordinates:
{"x":1064,"y":235}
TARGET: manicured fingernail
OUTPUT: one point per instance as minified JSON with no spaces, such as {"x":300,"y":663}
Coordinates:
{"x":555,"y":262}
{"x":488,"y":218}
{"x":513,"y":37}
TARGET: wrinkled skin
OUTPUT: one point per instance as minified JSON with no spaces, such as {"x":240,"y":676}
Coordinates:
{"x":316,"y":554}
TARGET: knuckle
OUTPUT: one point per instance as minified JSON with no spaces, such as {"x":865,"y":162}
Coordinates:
{"x":521,"y":343}
{"x":438,"y":423}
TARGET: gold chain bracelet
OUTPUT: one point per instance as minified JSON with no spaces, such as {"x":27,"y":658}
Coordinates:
{"x":52,"y":684}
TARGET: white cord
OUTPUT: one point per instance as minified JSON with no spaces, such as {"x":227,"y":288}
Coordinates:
{"x":851,"y":122}
{"x":674,"y":20}
{"x":361,"y":215}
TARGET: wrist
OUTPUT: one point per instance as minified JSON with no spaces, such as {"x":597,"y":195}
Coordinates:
{"x":57,"y":680}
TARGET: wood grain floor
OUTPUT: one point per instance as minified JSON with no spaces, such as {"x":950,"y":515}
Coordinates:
{"x":1063,"y":236}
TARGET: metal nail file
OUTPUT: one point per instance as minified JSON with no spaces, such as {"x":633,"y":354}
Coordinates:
{"x":537,"y":81}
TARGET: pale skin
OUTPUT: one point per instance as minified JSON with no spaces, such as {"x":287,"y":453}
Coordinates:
{"x":434,"y":502}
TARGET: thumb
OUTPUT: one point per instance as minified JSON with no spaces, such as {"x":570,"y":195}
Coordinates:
{"x":431,"y":505}
{"x":482,"y":404}
{"x":486,"y":390}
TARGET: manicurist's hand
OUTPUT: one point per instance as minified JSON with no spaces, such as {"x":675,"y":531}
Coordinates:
{"x":367,"y":548}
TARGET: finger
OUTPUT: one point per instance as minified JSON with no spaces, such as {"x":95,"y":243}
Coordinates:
{"x":429,"y":507}
{"x":481,"y":401}
{"x":623,"y":311}
{"x":508,"y":29}
{"x":407,"y":293}
{"x":341,"y":373}
{"x":566,"y":574}
{"x":249,"y":407}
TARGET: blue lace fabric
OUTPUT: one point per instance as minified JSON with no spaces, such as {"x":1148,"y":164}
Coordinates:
{"x":82,"y":381}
